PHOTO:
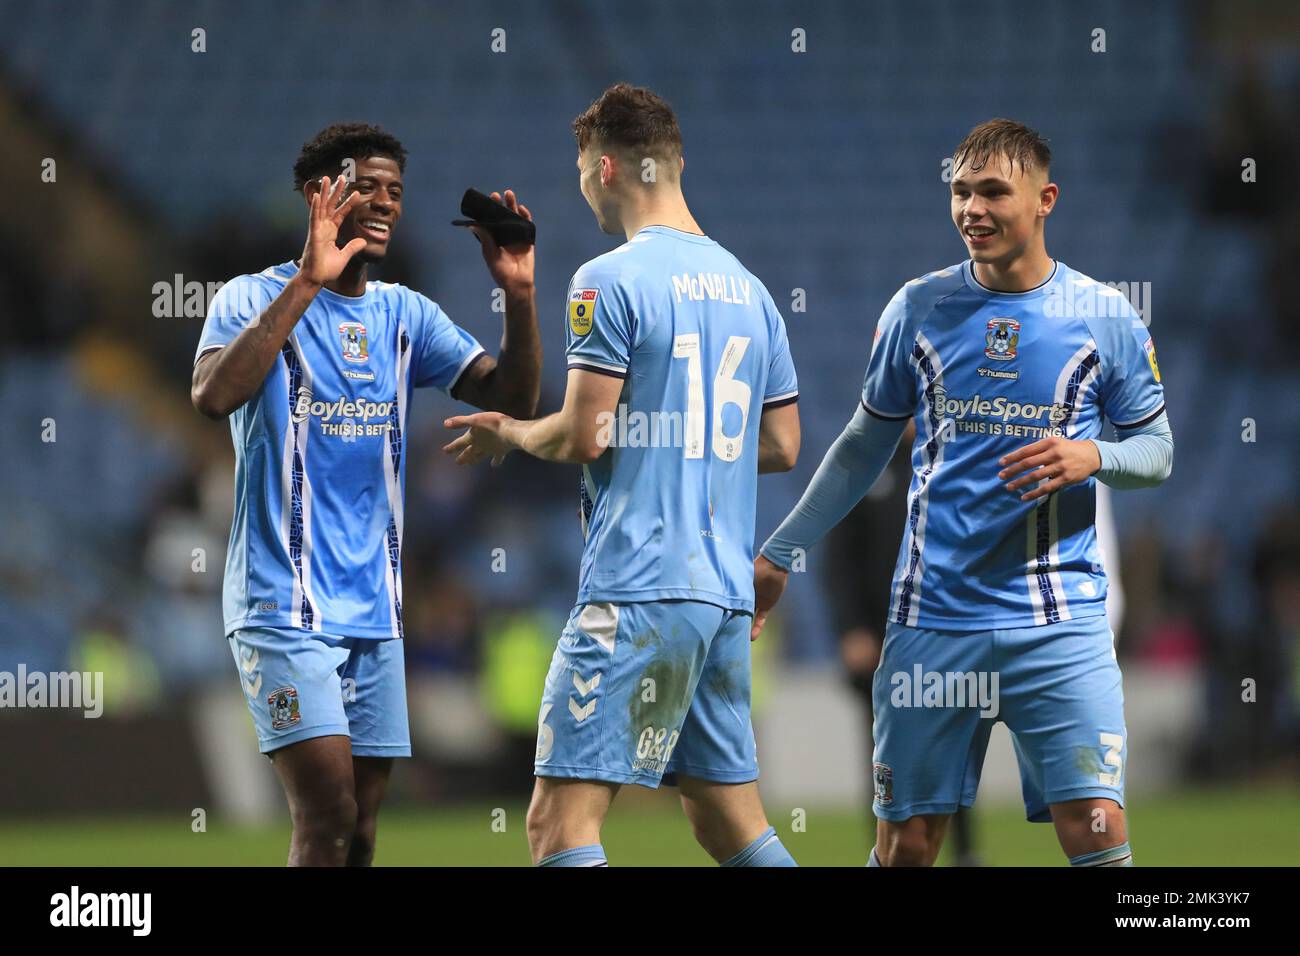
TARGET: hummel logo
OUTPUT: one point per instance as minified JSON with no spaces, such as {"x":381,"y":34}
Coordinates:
{"x":248,"y":663}
{"x":585,"y":687}
{"x":581,"y":713}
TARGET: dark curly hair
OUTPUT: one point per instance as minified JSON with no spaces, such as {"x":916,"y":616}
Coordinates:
{"x":324,"y":153}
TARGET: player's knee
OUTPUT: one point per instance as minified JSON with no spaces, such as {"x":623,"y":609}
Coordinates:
{"x":1086,"y":826}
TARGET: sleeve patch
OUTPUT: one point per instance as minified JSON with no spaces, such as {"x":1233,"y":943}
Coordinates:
{"x":582,"y":305}
{"x":1150,"y":347}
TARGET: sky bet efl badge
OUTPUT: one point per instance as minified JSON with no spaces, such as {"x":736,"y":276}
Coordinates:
{"x":1150,"y":347}
{"x":1001,"y":339}
{"x":353,"y":337}
{"x":582,"y":303}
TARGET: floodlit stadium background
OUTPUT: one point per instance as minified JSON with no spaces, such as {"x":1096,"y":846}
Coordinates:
{"x":822,"y":171}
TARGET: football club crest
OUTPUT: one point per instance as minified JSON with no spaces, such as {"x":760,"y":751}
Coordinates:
{"x":1001,"y":339}
{"x":352,"y":336}
{"x":582,"y":306}
{"x":884,"y":777}
{"x":283,"y":702}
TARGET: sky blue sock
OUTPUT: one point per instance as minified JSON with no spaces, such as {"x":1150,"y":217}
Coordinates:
{"x":873,"y":860}
{"x":765,"y":851}
{"x":593,"y":855}
{"x":1111,"y":856}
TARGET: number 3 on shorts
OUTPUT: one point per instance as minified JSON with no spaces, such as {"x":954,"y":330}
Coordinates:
{"x":1114,"y":744}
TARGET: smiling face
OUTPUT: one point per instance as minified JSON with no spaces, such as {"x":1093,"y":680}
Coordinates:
{"x":379,"y":183}
{"x":1000,"y":207}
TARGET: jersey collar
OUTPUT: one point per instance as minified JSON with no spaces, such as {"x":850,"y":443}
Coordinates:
{"x":968,"y":270}
{"x":675,"y":233}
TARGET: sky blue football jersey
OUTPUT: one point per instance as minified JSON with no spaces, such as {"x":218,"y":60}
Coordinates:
{"x":985,"y":373}
{"x":320,"y":465}
{"x":668,"y":509}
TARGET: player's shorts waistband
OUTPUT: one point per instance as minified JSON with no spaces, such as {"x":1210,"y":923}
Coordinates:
{"x":1092,"y":623}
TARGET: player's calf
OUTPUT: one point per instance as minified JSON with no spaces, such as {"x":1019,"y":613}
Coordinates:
{"x":371,"y":775}
{"x":729,"y":823}
{"x":565,"y":817}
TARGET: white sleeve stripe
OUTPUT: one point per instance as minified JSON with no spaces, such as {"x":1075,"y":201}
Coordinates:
{"x":781,"y":397}
{"x":210,"y":348}
{"x":583,"y":360}
{"x":469,"y":360}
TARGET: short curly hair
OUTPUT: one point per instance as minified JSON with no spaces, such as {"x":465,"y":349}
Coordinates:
{"x":633,"y":118}
{"x":324,"y":153}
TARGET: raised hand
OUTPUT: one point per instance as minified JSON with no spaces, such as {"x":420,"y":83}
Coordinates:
{"x":1055,"y":462}
{"x":769,"y":585}
{"x":511,"y":266}
{"x":322,"y":260}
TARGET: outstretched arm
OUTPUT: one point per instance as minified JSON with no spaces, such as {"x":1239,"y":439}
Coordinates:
{"x":848,"y":471}
{"x":578,"y":432}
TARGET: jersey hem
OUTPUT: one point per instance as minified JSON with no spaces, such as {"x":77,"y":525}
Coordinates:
{"x":1041,"y":812}
{"x":724,"y":601}
{"x":365,"y":632}
{"x":748,"y":775}
{"x":650,"y":781}
{"x":898,"y":814}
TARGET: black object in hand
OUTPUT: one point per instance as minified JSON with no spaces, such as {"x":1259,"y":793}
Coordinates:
{"x":506,"y":228}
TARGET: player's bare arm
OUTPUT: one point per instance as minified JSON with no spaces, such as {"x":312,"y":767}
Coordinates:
{"x":512,"y":382}
{"x":1054,"y":462}
{"x":769,"y":585}
{"x":778,"y":439}
{"x":226,"y":378}
{"x":577,"y":433}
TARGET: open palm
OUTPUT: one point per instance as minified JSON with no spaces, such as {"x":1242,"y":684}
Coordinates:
{"x":322,"y":260}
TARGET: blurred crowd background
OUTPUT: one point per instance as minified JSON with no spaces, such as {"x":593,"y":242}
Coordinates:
{"x":821,"y":170}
